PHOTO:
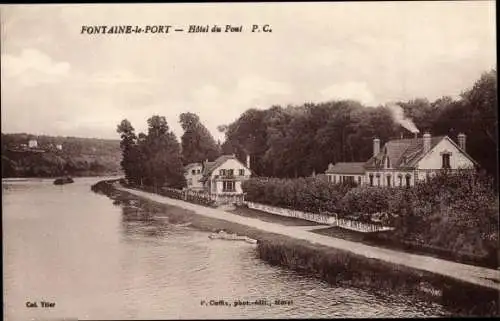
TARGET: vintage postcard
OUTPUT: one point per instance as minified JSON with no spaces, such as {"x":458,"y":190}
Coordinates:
{"x":249,"y":160}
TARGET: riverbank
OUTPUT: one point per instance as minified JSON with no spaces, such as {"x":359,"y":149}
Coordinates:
{"x":334,"y":260}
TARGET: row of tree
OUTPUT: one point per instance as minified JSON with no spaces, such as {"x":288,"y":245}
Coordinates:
{"x":296,"y":141}
{"x":157,"y":158}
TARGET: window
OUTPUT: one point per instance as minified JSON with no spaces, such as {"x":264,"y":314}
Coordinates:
{"x":388,"y":180}
{"x":228,"y":186}
{"x":446,"y":160}
{"x":388,"y":163}
{"x":230,"y":172}
{"x":378,"y":179}
{"x":193,"y":172}
{"x":198,"y":171}
{"x":400,"y":180}
{"x":222,"y":172}
{"x":334,"y":179}
{"x":359,"y":180}
{"x":242,"y":172}
{"x":371,"y":179}
{"x":408,"y":180}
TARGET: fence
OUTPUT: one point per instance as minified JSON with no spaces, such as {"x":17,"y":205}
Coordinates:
{"x":320,"y":218}
{"x":202,"y":197}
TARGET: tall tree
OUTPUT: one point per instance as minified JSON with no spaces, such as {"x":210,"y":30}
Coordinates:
{"x":130,"y":153}
{"x":197,"y":142}
{"x":161,"y":151}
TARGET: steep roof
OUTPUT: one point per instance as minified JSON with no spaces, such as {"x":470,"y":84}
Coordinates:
{"x":211,"y":166}
{"x":402,"y":153}
{"x":346,"y":168}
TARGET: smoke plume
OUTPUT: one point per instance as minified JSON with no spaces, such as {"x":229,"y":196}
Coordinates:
{"x":399,"y":117}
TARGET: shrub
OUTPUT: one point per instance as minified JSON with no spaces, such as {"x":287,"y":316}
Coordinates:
{"x":311,"y":194}
{"x":366,"y":200}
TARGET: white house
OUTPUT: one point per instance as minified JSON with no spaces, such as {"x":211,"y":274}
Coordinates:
{"x":403,"y":162}
{"x":193,"y":174}
{"x":32,"y":143}
{"x":344,"y":172}
{"x":225,"y":175}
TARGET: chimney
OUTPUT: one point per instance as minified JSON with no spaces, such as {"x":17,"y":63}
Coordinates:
{"x":461,"y":141}
{"x":427,"y":142}
{"x":376,"y":146}
{"x":248,"y":161}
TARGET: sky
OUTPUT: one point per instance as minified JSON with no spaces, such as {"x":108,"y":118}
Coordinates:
{"x":57,"y":81}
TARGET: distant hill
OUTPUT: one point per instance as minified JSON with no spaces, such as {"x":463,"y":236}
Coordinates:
{"x":76,"y":156}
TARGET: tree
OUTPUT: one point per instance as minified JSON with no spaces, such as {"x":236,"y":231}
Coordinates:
{"x":162,"y":156}
{"x":130,"y":155}
{"x":197,"y":142}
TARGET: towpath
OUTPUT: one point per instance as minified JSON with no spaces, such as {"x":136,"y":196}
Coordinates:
{"x":468,"y":273}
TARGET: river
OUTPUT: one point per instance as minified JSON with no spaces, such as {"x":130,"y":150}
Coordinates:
{"x":69,"y":246}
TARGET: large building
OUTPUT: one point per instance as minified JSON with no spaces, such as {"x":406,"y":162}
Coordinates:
{"x":225,"y":175}
{"x":222,"y":176}
{"x":403,"y":162}
{"x":193,"y":174}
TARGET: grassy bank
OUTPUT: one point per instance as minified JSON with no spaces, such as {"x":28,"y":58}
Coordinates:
{"x":338,"y":267}
{"x":272,"y":218}
{"x":385,"y":240}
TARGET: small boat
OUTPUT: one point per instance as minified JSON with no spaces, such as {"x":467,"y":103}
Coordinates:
{"x":184,"y":224}
{"x":251,"y":241}
{"x":222,"y":235}
{"x":63,"y":180}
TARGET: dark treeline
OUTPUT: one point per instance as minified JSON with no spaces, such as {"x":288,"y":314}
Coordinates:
{"x":156,"y":159}
{"x":294,"y":141}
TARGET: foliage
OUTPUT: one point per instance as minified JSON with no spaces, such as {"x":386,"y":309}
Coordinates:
{"x":294,"y":141}
{"x":78,"y":157}
{"x":366,"y":200}
{"x":197,"y":142}
{"x":455,"y":211}
{"x":310,"y":194}
{"x":154,"y":159}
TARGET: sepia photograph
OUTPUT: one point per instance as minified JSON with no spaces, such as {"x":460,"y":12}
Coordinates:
{"x":166,"y":161}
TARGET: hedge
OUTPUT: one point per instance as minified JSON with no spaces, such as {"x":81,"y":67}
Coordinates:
{"x":457,"y":210}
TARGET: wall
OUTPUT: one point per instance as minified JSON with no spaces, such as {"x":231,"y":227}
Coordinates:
{"x":196,"y":184}
{"x":394,"y":177}
{"x":319,"y":218}
{"x":337,"y":178}
{"x":433,"y":159}
{"x":233,"y":164}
